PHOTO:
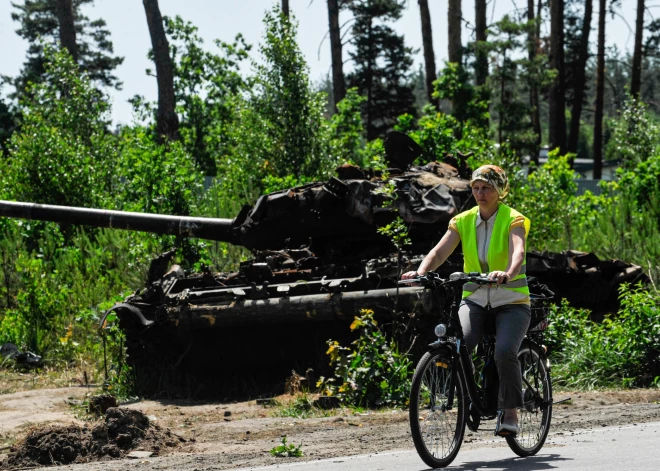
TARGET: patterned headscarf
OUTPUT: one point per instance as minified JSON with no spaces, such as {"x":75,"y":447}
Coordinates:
{"x":493,"y":175}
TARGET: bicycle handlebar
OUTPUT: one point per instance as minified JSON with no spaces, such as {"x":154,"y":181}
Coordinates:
{"x":434,"y":280}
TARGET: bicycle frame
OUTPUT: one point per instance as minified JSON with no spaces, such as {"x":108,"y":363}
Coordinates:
{"x":461,"y":357}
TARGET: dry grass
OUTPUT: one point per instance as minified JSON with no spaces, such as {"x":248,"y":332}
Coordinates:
{"x":13,"y":380}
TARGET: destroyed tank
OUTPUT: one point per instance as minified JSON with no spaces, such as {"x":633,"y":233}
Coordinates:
{"x":318,"y":259}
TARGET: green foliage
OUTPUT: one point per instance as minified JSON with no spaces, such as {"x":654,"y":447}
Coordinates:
{"x":39,"y":26}
{"x":636,"y":141}
{"x":303,"y":407}
{"x":205,"y":85}
{"x":286,"y":450}
{"x":291,"y":113}
{"x":512,"y":78}
{"x":618,"y":228}
{"x":52,"y":308}
{"x":635,"y":135}
{"x":622,"y":351}
{"x":547,"y":199}
{"x":440,"y":134}
{"x":279,"y":136}
{"x":8,"y":124}
{"x":623,"y":222}
{"x":371,"y":373}
{"x":382,"y":71}
{"x":120,"y":379}
{"x":470,"y":103}
{"x":62,"y":153}
{"x":397,"y":231}
{"x":156,"y":178}
{"x":346,"y":129}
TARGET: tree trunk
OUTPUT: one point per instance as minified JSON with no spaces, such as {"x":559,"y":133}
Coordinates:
{"x":532,"y":45}
{"x":600,"y":92}
{"x":429,"y":56}
{"x":338,"y":82}
{"x":636,"y":81}
{"x":67,"y":27}
{"x":285,"y":8}
{"x":371,"y":134}
{"x":167,"y":122}
{"x":454,"y":18}
{"x":556,"y":98}
{"x":481,"y":56}
{"x":580,"y":79}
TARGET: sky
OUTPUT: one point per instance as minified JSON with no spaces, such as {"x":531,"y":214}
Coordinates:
{"x":223,"y":19}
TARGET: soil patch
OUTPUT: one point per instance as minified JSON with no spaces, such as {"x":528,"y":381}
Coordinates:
{"x":229,"y":435}
{"x":121,"y":431}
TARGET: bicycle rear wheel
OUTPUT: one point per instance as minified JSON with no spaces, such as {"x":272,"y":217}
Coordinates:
{"x":436,"y":430}
{"x":535,"y":415}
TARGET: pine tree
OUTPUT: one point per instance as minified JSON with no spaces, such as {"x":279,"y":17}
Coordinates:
{"x":39,"y":21}
{"x":556,"y":97}
{"x":338,"y":81}
{"x":577,"y":55}
{"x":636,"y":79}
{"x":382,"y":71}
{"x":429,"y":56}
{"x":600,"y":92}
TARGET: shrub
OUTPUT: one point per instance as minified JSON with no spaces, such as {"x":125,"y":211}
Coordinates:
{"x":547,"y":199}
{"x":371,"y":373}
{"x":622,"y":351}
{"x":62,"y":154}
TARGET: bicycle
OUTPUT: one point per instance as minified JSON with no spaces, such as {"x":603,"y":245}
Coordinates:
{"x":448,"y":392}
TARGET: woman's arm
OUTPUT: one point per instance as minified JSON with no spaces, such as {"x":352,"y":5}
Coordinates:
{"x":516,"y":251}
{"x":437,"y":255}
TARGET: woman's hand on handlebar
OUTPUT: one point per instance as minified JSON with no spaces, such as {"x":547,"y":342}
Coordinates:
{"x":499,"y":276}
{"x":410,"y":275}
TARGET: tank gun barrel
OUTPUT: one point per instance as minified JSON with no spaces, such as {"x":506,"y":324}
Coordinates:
{"x":201,"y":228}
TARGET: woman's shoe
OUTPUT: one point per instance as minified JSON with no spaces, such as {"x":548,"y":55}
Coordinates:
{"x":505,"y":430}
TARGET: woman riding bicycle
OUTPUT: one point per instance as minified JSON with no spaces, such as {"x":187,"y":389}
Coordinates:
{"x":493,"y":239}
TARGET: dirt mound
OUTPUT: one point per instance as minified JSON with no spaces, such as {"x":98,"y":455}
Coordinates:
{"x":100,"y":404}
{"x":121,"y":431}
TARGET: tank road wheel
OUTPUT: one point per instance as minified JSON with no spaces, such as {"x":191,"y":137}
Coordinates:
{"x":534,"y":417}
{"x":436,"y":430}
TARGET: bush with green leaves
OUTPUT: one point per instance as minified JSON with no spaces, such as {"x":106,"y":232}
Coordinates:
{"x":370,"y":373}
{"x":547,"y":199}
{"x":62,"y":153}
{"x":291,"y":112}
{"x":206,"y":85}
{"x":470,"y":102}
{"x":279,"y":137}
{"x":346,"y":129}
{"x":635,"y":135}
{"x":622,"y":351}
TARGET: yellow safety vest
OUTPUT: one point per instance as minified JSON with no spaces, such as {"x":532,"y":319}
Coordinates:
{"x":498,"y":250}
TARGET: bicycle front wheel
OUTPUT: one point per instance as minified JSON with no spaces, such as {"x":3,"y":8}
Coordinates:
{"x":436,"y":429}
{"x":535,"y":415}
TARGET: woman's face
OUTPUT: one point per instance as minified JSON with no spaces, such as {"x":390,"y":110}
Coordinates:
{"x":485,"y":194}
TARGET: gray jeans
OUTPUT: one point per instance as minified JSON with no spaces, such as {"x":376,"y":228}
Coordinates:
{"x":511,"y":323}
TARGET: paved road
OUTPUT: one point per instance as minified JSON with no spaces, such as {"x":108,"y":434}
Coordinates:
{"x":627,"y":447}
{"x":635,"y":447}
